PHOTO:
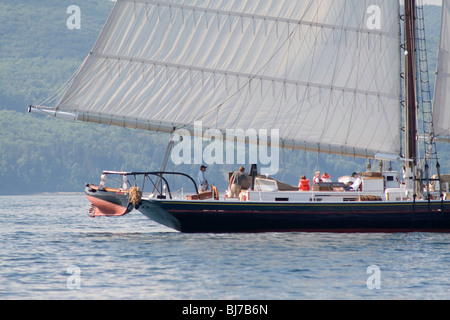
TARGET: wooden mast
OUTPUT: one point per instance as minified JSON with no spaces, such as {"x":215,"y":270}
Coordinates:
{"x":410,"y":87}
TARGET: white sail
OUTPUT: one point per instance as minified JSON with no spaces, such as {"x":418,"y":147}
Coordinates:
{"x":325,"y":73}
{"x":441,"y":107}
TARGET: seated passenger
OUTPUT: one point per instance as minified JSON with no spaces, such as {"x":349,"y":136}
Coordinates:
{"x":356,"y":183}
{"x":303,"y":184}
{"x":326,"y":177}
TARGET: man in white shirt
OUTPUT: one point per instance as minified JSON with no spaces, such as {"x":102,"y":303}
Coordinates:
{"x":203,"y":183}
{"x":356,"y":183}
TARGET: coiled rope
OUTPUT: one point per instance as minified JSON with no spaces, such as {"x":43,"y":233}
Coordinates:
{"x":135,"y":195}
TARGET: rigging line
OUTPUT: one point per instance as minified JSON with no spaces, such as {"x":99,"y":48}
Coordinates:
{"x":178,"y":97}
{"x":337,"y":54}
{"x":279,"y":98}
{"x":352,"y":109}
{"x":250,"y":76}
{"x":316,"y":40}
{"x":76,"y":74}
{"x":286,"y":69}
{"x":307,"y":87}
{"x":135,"y":25}
{"x":283,"y":91}
{"x":375,"y":72}
{"x":314,"y":47}
{"x":64,"y":87}
{"x":357,"y":77}
{"x":366,"y":124}
{"x":247,"y":93}
{"x":328,"y":113}
{"x":301,"y":101}
{"x":249,"y":15}
{"x":299,"y":112}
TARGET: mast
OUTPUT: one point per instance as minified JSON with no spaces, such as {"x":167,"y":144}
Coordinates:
{"x":410,"y":87}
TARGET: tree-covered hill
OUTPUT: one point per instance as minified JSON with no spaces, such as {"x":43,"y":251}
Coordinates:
{"x":41,"y":154}
{"x":39,"y":53}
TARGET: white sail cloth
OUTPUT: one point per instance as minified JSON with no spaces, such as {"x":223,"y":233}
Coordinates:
{"x":441,"y":108}
{"x":325,"y":73}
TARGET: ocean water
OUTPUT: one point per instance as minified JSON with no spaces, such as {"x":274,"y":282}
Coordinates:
{"x":51,"y":249}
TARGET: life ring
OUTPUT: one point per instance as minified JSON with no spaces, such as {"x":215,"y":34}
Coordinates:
{"x":215,"y":192}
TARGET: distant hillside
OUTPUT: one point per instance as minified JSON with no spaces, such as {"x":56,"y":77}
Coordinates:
{"x":42,"y":154}
{"x":38,"y":53}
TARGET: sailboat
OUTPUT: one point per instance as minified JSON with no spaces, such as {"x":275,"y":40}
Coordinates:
{"x":326,"y":75}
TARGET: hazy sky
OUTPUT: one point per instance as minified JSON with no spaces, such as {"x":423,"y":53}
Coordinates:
{"x":436,"y":2}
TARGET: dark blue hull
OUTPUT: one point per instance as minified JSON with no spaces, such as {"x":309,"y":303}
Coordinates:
{"x":237,"y":217}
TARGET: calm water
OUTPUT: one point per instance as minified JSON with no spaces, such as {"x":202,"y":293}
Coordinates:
{"x":51,"y":249}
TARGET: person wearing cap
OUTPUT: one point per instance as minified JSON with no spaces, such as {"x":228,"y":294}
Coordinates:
{"x":356,"y":183}
{"x":203,"y":183}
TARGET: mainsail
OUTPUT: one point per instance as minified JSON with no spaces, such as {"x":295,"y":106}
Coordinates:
{"x":441,"y":108}
{"x":324,"y":73}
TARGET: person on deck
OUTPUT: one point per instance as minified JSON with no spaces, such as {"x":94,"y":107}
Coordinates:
{"x":203,"y":183}
{"x":326,"y":177}
{"x":317,"y":178}
{"x":236,"y":180}
{"x":356,"y":183}
{"x":303,"y":184}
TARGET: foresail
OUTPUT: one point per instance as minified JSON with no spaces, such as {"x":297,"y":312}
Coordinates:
{"x":324,"y":73}
{"x":441,"y":109}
